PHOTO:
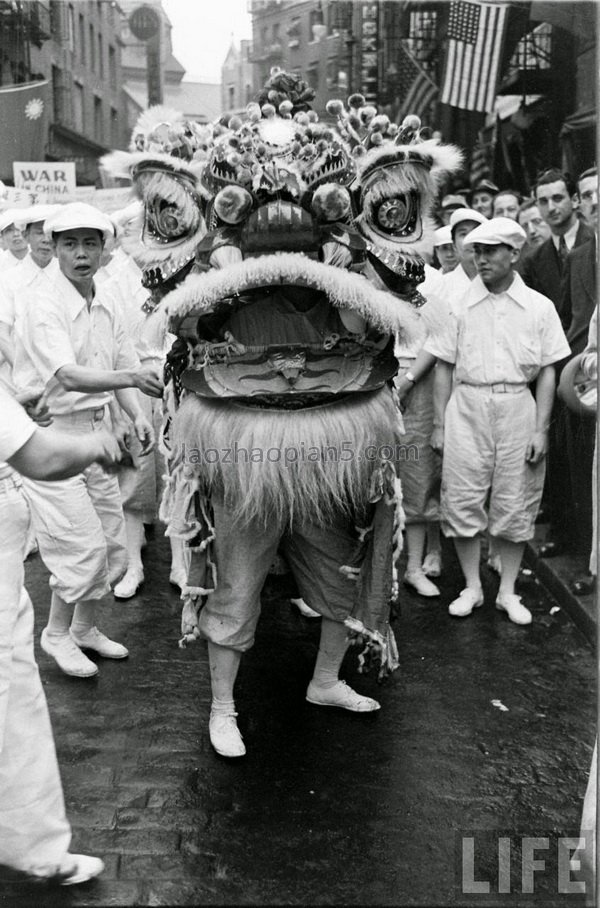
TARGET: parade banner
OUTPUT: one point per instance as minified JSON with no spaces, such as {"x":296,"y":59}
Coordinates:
{"x":13,"y":198}
{"x":47,"y":181}
{"x":106,"y":200}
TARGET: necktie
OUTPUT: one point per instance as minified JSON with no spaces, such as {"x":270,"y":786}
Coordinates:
{"x":562,"y":252}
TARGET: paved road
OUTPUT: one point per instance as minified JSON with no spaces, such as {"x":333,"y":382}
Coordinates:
{"x":328,"y":807}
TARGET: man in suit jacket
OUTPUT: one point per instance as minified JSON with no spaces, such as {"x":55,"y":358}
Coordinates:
{"x":557,"y":200}
{"x":578,"y":304}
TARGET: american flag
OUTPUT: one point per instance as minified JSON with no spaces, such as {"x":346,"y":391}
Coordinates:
{"x":475,"y":35}
{"x":417,"y":90}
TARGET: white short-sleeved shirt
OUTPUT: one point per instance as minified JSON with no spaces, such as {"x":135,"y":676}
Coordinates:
{"x":17,"y":283}
{"x":8,"y":260}
{"x":58,"y":330}
{"x":455,"y":283}
{"x":506,"y":337}
{"x":16,"y":428}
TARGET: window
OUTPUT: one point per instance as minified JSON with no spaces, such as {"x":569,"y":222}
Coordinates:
{"x":231,"y":98}
{"x":248,"y":92}
{"x":98,"y":119}
{"x":114,"y":127}
{"x":112,"y":66}
{"x":293,"y":32}
{"x":92,"y":48}
{"x":312,"y":76}
{"x":58,"y":95}
{"x":78,"y":107}
{"x":71,"y":27}
{"x":101,"y":56}
{"x":82,"y":38}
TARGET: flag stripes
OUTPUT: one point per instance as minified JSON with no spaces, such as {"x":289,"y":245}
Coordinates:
{"x":475,"y":34}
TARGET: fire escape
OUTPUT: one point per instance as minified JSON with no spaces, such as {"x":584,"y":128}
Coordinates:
{"x":22,"y":24}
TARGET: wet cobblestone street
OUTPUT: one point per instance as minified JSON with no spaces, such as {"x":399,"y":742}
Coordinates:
{"x":327,"y":807}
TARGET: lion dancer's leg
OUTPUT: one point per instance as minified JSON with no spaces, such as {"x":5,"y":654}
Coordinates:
{"x":315,"y":554}
{"x":243,"y":555}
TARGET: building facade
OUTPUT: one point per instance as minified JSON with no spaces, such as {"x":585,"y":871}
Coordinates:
{"x":76,"y":47}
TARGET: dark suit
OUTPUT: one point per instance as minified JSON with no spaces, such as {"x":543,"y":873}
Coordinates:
{"x":578,"y":303}
{"x":542,"y":269}
{"x":543,"y":272}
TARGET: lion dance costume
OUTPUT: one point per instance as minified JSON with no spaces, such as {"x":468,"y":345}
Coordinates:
{"x":281,"y":428}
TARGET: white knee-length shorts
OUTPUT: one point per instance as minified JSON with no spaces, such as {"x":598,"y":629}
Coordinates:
{"x":79,"y":524}
{"x":485,"y":443}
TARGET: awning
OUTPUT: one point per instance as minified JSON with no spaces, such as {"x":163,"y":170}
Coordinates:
{"x":581,"y":119}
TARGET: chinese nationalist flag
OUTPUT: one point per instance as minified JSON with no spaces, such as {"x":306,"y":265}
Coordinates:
{"x":24,"y":117}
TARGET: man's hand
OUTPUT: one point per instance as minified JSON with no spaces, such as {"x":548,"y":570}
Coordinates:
{"x":403,"y":388}
{"x":437,"y":440}
{"x":148,"y":380}
{"x":122,"y":432}
{"x":537,"y":447}
{"x":109,"y":450}
{"x":36,"y":406}
{"x":145,"y":434}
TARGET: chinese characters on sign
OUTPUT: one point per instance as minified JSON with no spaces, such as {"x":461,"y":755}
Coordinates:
{"x":369,"y":74}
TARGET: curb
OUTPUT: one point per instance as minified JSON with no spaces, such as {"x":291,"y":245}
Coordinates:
{"x":581,"y":609}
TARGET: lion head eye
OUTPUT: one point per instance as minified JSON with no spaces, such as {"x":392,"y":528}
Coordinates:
{"x":393,"y":214}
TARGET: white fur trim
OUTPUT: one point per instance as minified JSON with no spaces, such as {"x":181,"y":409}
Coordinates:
{"x":199,"y":293}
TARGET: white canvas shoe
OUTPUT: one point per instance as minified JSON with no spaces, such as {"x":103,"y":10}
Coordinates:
{"x":225,"y":735}
{"x":100,"y":643}
{"x":342,"y":695}
{"x":514,"y":608}
{"x":67,"y":655}
{"x":465,"y":603}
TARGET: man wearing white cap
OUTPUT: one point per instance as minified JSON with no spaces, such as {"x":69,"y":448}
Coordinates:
{"x":445,"y":249}
{"x":501,"y":337}
{"x":462,"y":222}
{"x":17,"y":283}
{"x":15,"y":245}
{"x":71,"y":343}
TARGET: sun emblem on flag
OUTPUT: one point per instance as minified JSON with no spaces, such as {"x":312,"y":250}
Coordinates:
{"x":34,"y":109}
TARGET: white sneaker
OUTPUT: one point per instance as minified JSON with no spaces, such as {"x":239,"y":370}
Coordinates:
{"x":225,"y":735}
{"x":432,"y":564}
{"x":129,"y":583}
{"x":514,"y":608}
{"x":67,"y":655}
{"x":85,"y":868}
{"x":419,"y":582}
{"x":100,"y":643}
{"x":466,"y":602}
{"x":305,"y":609}
{"x":342,"y":695}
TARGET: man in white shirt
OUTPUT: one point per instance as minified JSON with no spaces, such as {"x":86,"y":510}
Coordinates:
{"x":462,"y":222}
{"x":15,"y":245}
{"x":72,"y":343}
{"x":18,"y":283}
{"x":34,"y":830}
{"x":501,"y":336}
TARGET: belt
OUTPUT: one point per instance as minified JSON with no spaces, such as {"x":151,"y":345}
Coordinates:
{"x":499,"y":387}
{"x":93,"y":413}
{"x":11,"y":482}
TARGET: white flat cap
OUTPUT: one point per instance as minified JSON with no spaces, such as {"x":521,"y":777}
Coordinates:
{"x":34,"y":214}
{"x":496,"y":231}
{"x":466,"y":214}
{"x":442,"y":236}
{"x":78,"y":215}
{"x":8,"y":217}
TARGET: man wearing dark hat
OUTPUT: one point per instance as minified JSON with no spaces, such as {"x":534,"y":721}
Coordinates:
{"x":482,"y":197}
{"x":501,"y":336}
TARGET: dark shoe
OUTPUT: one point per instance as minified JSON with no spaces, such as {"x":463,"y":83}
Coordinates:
{"x":584,"y":586}
{"x":551,"y":549}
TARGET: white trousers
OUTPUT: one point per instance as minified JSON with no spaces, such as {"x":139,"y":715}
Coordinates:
{"x":79,"y":524}
{"x":34,"y":831}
